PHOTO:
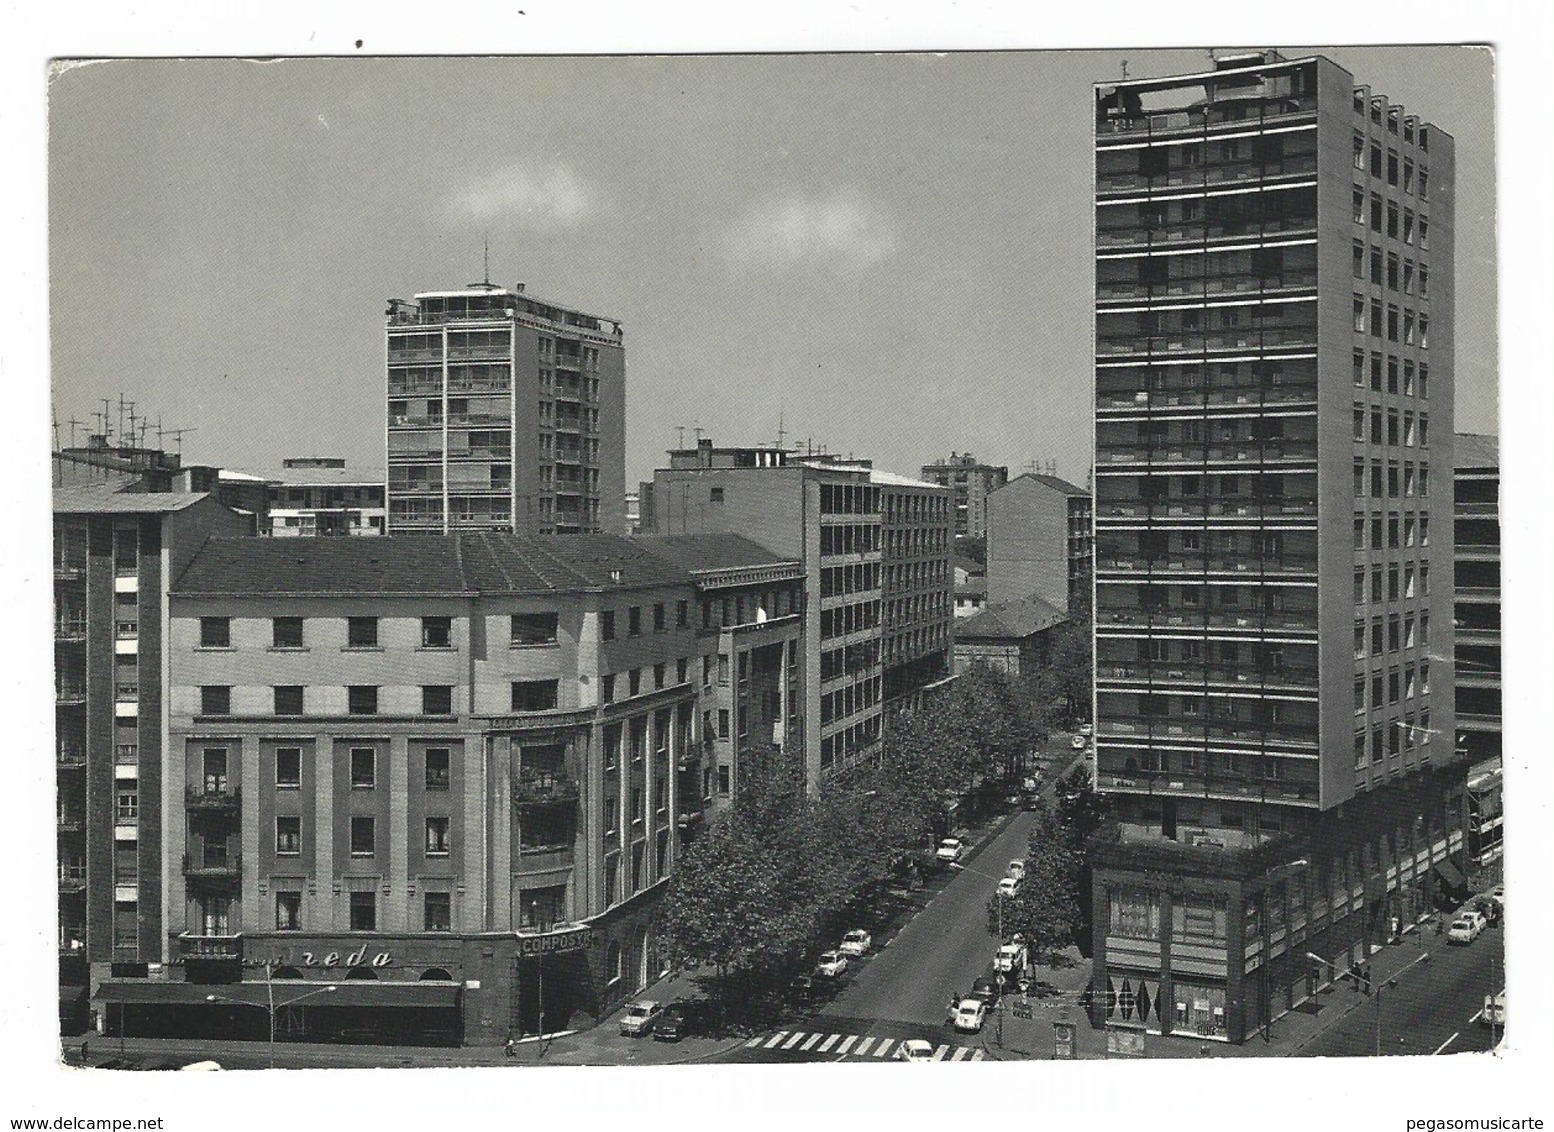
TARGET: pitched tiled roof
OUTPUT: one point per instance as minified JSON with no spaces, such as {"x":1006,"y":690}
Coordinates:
{"x":716,"y":551}
{"x":1010,"y":620}
{"x":496,"y":562}
{"x":407,"y":564}
{"x":1476,"y":450}
{"x":1053,"y":482}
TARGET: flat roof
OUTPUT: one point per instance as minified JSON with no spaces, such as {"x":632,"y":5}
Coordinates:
{"x":89,"y":498}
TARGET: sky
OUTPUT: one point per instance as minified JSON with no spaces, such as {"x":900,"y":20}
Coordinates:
{"x":888,"y":254}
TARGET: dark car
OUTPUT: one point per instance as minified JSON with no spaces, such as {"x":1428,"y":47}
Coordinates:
{"x":986,"y":988}
{"x":803,"y":990}
{"x":683,"y":1018}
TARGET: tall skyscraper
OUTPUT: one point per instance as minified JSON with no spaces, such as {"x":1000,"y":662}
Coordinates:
{"x":1273,"y":440}
{"x":504,"y":413}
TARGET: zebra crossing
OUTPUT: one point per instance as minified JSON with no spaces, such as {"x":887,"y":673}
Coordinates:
{"x":852,"y":1045}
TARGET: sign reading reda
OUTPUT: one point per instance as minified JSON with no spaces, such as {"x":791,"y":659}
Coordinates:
{"x":358,"y":958}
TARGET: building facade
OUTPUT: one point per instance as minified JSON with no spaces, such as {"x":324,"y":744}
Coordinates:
{"x":1273,"y":717}
{"x":504,"y":413}
{"x":452,"y":774}
{"x":1476,"y":504}
{"x":1013,"y":638}
{"x":970,"y":483}
{"x":918,"y":587}
{"x":1039,"y":541}
{"x":115,"y":547}
{"x":319,"y":495}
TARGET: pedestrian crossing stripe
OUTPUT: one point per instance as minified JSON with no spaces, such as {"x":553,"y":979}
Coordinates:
{"x":863,"y":1046}
{"x":847,"y":1042}
{"x":829,"y":1042}
{"x":794,"y":1040}
{"x":856,"y":1045}
{"x":777,"y":1039}
{"x":884,"y":1048}
{"x":813,"y":1038}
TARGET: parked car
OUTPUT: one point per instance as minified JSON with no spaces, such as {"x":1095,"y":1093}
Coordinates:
{"x":914,"y":1049}
{"x":1087,"y":729}
{"x":640,"y":1017}
{"x":801,"y":991}
{"x":1017,"y":868}
{"x":1078,"y":742}
{"x":1465,"y":928}
{"x":1493,"y":1013}
{"x":856,"y":942}
{"x":1009,"y":886}
{"x":198,"y":1067}
{"x":1011,"y":958}
{"x":683,"y":1018}
{"x":986,"y":988}
{"x":949,"y":849}
{"x":831,"y":964}
{"x":970,"y":1015}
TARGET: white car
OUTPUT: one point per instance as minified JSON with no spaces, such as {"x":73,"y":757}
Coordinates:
{"x":949,"y":849}
{"x":1011,"y":957}
{"x":1493,"y":1013}
{"x":1087,"y":729}
{"x":856,"y":942}
{"x":1017,"y":868}
{"x":914,"y":1049}
{"x":970,"y":1015}
{"x":1465,"y":928}
{"x":1009,"y":886}
{"x":1078,"y":742}
{"x":640,"y":1016}
{"x":831,"y":964}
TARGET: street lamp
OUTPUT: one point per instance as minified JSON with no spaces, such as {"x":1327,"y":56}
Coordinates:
{"x":1275,"y":873}
{"x":1392,"y":981}
{"x":270,"y":1005}
{"x":534,"y":918}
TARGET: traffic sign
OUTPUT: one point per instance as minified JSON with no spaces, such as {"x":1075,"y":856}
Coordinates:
{"x":1021,"y":1008}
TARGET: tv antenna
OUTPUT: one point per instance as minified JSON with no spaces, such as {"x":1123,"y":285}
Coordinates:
{"x":698,"y":430}
{"x":679,"y":436}
{"x":781,"y":430}
{"x":486,"y":262}
{"x":177,"y":435}
{"x":107,"y":430}
{"x":1124,"y":68}
{"x":74,"y":424}
{"x":123,"y":405}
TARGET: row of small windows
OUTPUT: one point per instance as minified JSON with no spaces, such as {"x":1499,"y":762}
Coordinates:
{"x":437,"y":917}
{"x":835,"y":748}
{"x":1389,"y":210}
{"x":1401,"y":581}
{"x":363,"y":699}
{"x":1382,"y":637}
{"x":1391,"y":427}
{"x":1399,"y":174}
{"x":853,"y":698}
{"x":1415,"y":379}
{"x":1399,"y":274}
{"x":1391,"y":481}
{"x":1375,"y":324}
{"x":364,"y":836}
{"x":362,"y":765}
{"x":660,"y":614}
{"x":1389,"y":740}
{"x":1392,"y":533}
{"x":849,"y":538}
{"x":1385,"y":689}
{"x":363,"y":632}
{"x":849,"y":499}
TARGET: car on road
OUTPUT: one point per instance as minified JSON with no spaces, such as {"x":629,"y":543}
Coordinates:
{"x":914,"y":1049}
{"x":831,"y":964}
{"x":640,"y":1017}
{"x":1078,"y":742}
{"x":986,"y":988}
{"x":200,"y":1067}
{"x":1017,"y":868}
{"x":1011,"y":958}
{"x":1493,"y":1013}
{"x":1087,"y":729}
{"x":949,"y":849}
{"x":856,"y":942}
{"x":1466,"y":928}
{"x":683,"y":1018}
{"x":970,"y":1015}
{"x":1009,"y":886}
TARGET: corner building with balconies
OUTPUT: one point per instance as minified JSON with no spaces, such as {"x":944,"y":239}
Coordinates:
{"x":446,"y":776}
{"x":1273,"y":574}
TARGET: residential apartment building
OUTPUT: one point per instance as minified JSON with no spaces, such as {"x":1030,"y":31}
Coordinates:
{"x":1039,"y":541}
{"x":319,"y":495}
{"x":1273,"y":392}
{"x":505,"y":412}
{"x":115,"y":547}
{"x":970,"y":483}
{"x":828,"y":514}
{"x":448,"y":773}
{"x":1476,"y":506}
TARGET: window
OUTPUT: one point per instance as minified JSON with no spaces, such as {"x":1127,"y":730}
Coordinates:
{"x":1376,"y":324}
{"x":286,"y":632}
{"x":1424,"y":184}
{"x":683,"y":614}
{"x":288,"y":836}
{"x":1392,"y":167}
{"x":1392,"y":220}
{"x":361,"y":632}
{"x":1375,"y":213}
{"x":437,"y":837}
{"x":362,"y":699}
{"x":534,"y":695}
{"x":364,"y":768}
{"x":363,"y":836}
{"x":533,"y":629}
{"x":634,"y":681}
{"x":215,"y":699}
{"x":288,"y":911}
{"x":288,"y":768}
{"x":1135,"y":914}
{"x":716,"y":495}
{"x":1359,"y":315}
{"x":607,"y":625}
{"x":439,"y":912}
{"x":1359,"y":151}
{"x":1359,"y":368}
{"x":634,"y":621}
{"x":364,"y":911}
{"x":658,"y":675}
{"x":1376,"y":266}
{"x":660,"y":621}
{"x":1359,"y":207}
{"x":1359,"y":260}
{"x":437,"y":699}
{"x":215,"y":632}
{"x":608,"y":692}
{"x":636,"y":804}
{"x":438,"y":768}
{"x":682,"y":670}
{"x":436,"y":632}
{"x":1392,"y":271}
{"x":288,"y":699}
{"x":1375,"y":160}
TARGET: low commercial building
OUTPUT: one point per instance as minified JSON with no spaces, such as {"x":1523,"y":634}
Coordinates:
{"x":446,"y":775}
{"x":1012,"y":638}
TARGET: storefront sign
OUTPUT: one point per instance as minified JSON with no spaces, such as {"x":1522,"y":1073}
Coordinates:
{"x":357,"y":958}
{"x":578,"y":939}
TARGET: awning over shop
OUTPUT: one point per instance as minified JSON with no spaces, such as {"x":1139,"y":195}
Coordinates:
{"x":1450,"y":873}
{"x":347,"y":992}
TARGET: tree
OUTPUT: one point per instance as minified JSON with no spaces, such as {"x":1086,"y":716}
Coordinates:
{"x":1045,"y":910}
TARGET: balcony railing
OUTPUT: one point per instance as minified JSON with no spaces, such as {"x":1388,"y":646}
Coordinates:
{"x":1285,"y":394}
{"x":1180,"y":563}
{"x":218,"y":947}
{"x":70,"y":628}
{"x":72,"y":878}
{"x":1182,"y":672}
{"x":69,"y":694}
{"x":70,"y":565}
{"x":1156,"y":345}
{"x":542,"y":789}
{"x":543,"y":858}
{"x":223,"y":799}
{"x":70,"y":821}
{"x":213,"y":867}
{"x":70,"y":756}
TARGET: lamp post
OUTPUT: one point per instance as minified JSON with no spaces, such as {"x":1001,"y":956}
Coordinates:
{"x":1276,"y":873}
{"x":534,"y":918}
{"x":270,"y":1005}
{"x":1392,"y":982}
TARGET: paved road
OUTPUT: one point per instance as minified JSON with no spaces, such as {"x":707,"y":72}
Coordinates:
{"x":1434,"y":1007}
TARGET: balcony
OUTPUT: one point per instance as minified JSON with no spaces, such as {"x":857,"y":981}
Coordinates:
{"x":70,"y":821}
{"x":72,"y":878}
{"x":1187,"y":345}
{"x":70,"y":757}
{"x":70,"y":566}
{"x":220,"y":800}
{"x":543,"y":858}
{"x":210,"y":947}
{"x":70,"y":629}
{"x":224,"y":869}
{"x":69,"y":694}
{"x":545,"y":789}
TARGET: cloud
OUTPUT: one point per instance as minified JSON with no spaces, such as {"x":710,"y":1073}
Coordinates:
{"x":840,"y":230}
{"x":545,"y":196}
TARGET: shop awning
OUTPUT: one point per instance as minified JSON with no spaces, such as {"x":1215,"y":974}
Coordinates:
{"x":1450,"y":873}
{"x":347,"y":992}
